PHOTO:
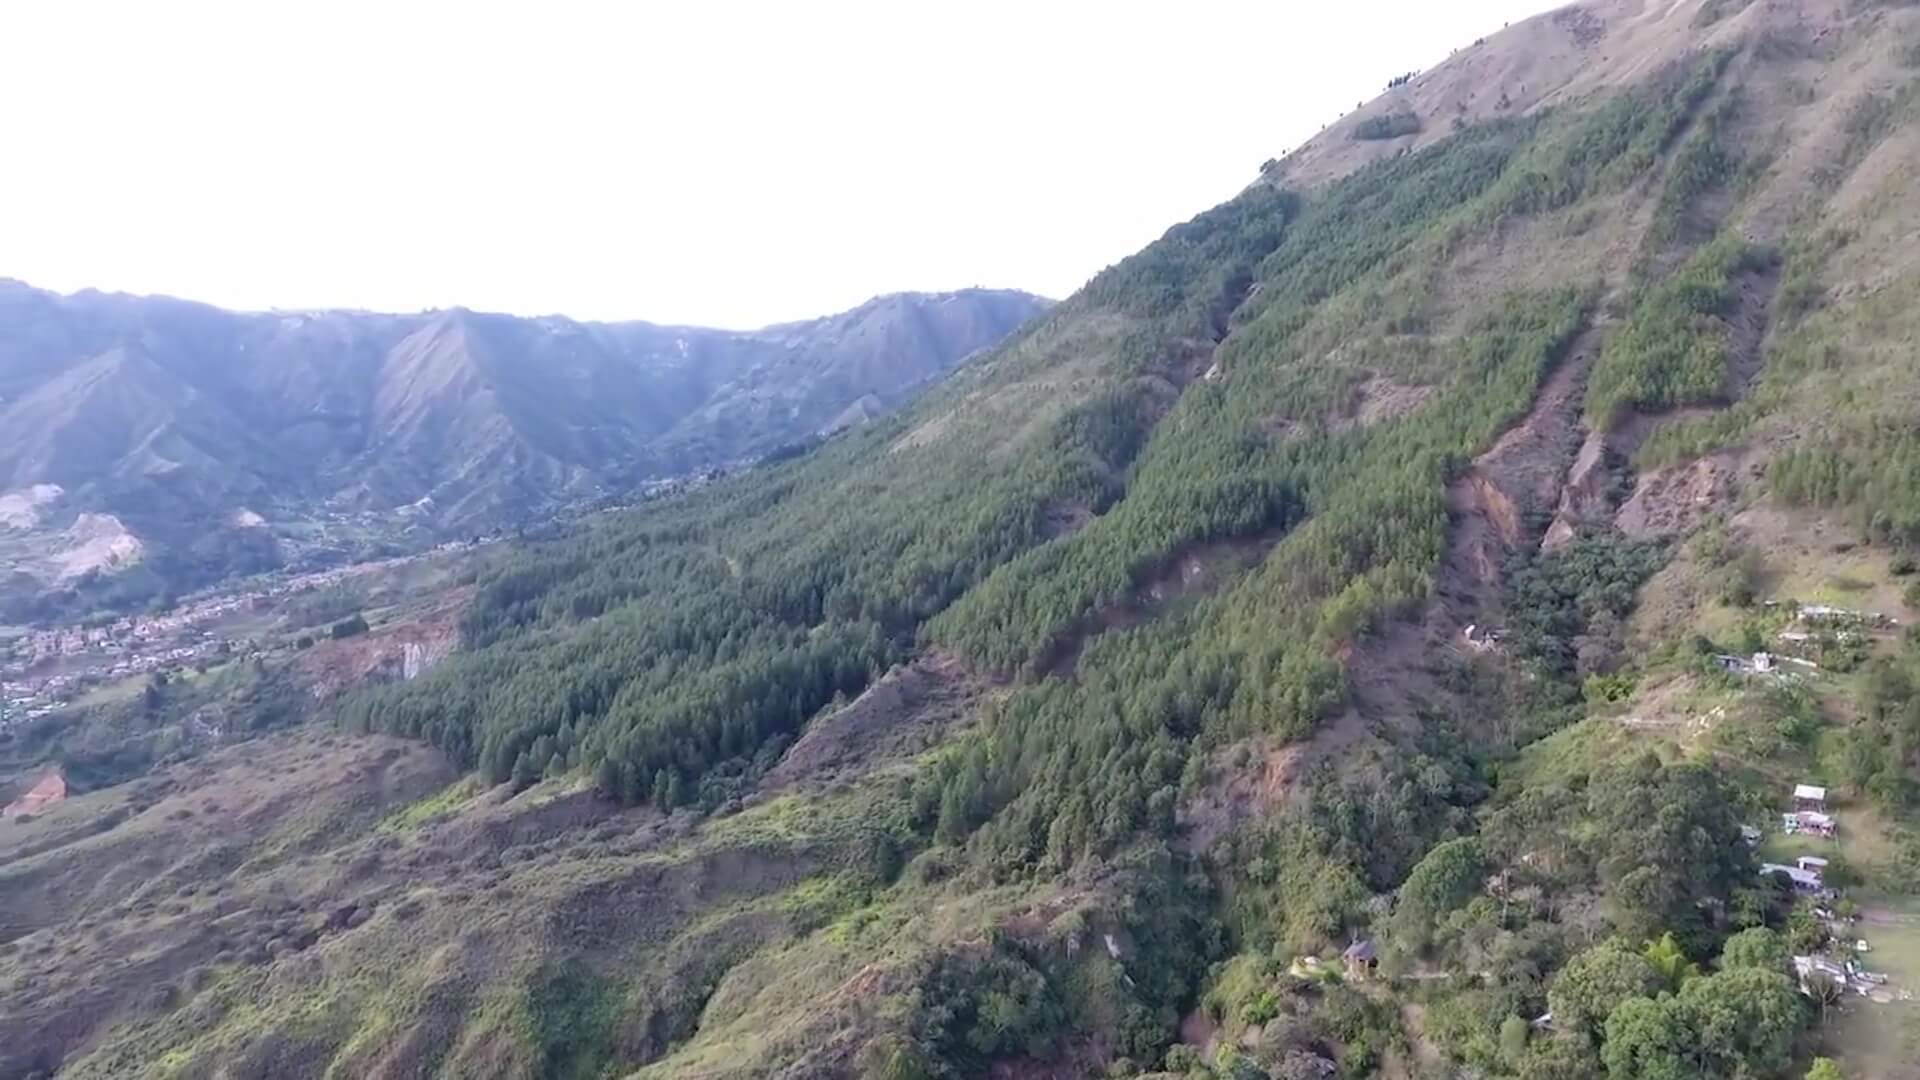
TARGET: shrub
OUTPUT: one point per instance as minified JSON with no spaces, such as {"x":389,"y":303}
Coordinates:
{"x":1391,"y":125}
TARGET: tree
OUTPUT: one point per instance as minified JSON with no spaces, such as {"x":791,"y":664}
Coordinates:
{"x":1513,"y":1039}
{"x":1446,"y":878}
{"x":1758,"y":947}
{"x":891,"y":1057}
{"x":1825,"y":1069}
{"x":525,"y":772}
{"x":1670,"y":961}
{"x":1563,"y":1057}
{"x":1826,"y":992}
{"x":1744,"y":1021}
{"x":1595,"y":982}
{"x":1805,"y":933}
{"x":1648,"y":1040}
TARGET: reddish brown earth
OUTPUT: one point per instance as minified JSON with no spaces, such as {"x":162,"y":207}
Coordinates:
{"x":51,"y":789}
{"x":907,"y":711}
{"x":392,"y":652}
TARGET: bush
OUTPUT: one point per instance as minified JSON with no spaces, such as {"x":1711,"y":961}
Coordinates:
{"x":347,"y":628}
{"x":1387,"y":126}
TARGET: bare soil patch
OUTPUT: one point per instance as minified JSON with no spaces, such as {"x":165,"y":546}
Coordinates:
{"x":1248,"y":780}
{"x":1194,"y":569}
{"x":394,"y":652}
{"x":1379,"y":400}
{"x":909,"y":710}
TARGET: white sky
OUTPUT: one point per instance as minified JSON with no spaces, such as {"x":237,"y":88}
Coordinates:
{"x":702,"y":162}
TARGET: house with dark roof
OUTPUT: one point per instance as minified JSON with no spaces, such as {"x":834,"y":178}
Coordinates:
{"x":1362,"y":959}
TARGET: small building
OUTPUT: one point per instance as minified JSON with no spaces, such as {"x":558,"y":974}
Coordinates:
{"x":1803,"y":881}
{"x":1362,"y":959}
{"x":1760,"y":663}
{"x":1811,"y":863}
{"x":1480,"y":638}
{"x":1810,"y":797}
{"x":1806,"y":967}
{"x":1809,"y":823}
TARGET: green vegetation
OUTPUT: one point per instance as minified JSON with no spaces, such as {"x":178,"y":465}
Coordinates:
{"x":470,"y":433}
{"x":678,"y":654}
{"x":123,"y":734}
{"x":1714,"y":11}
{"x":571,"y":1013}
{"x":1734,"y":1023}
{"x":1612,"y":145}
{"x":1390,"y":125}
{"x":1871,"y":469}
{"x":1568,"y":609}
{"x":1705,"y":162}
{"x":1878,"y":754}
{"x":1224,"y":770}
{"x":1675,"y":347}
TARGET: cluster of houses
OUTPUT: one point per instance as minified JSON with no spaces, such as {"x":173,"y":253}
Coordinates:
{"x":1812,"y":625}
{"x":1843,"y":619}
{"x":1846,"y":973}
{"x":31,"y":697}
{"x":1842,"y":967}
{"x":40,"y":671}
{"x":1809,"y":816}
{"x":1764,"y":664}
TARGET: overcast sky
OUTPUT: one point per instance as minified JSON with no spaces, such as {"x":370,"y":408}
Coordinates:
{"x":708,"y":162}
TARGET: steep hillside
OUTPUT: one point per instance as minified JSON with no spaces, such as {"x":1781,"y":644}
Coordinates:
{"x":176,"y":417}
{"x":1375,"y":630}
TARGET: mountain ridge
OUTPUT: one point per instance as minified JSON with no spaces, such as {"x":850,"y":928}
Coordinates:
{"x":175,"y":415}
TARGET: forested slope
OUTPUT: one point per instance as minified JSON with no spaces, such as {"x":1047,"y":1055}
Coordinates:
{"x":1350,"y":564}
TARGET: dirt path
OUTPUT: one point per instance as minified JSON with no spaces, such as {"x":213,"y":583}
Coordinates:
{"x":1426,"y":1056}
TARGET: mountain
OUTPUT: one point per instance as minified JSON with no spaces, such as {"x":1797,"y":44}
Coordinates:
{"x":1376,"y":630}
{"x":176,"y":417}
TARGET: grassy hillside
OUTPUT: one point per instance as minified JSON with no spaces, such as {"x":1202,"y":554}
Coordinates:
{"x":1355,"y":563}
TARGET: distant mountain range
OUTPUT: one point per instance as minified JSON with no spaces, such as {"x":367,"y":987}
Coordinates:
{"x":183,"y":420}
